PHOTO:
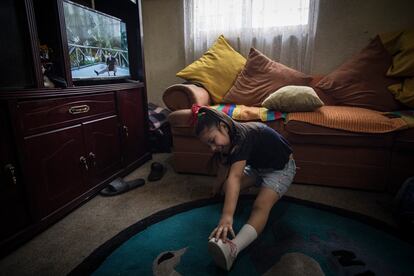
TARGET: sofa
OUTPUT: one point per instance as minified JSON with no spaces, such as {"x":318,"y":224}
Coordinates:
{"x":324,"y":155}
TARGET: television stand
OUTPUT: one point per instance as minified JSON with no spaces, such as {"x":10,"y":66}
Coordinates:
{"x":61,"y":146}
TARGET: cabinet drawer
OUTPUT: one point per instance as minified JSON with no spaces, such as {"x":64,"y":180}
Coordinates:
{"x":40,"y":115}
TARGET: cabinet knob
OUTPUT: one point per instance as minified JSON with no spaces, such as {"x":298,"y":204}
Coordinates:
{"x":92,"y":158}
{"x":84,"y":162}
{"x":11,"y":170}
{"x":125,"y":128}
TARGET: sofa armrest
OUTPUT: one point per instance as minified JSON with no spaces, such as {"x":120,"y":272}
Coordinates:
{"x":183,"y":96}
{"x":180,"y":118}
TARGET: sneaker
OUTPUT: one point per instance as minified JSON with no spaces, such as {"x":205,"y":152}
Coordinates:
{"x":223,"y":254}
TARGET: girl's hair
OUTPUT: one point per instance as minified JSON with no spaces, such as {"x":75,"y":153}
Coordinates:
{"x":206,"y":118}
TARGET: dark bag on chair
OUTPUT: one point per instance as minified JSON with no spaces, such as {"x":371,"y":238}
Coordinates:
{"x":160,"y":137}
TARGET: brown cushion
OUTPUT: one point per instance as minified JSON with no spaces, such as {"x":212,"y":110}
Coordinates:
{"x":361,"y":81}
{"x":325,"y":98}
{"x":261,"y":77}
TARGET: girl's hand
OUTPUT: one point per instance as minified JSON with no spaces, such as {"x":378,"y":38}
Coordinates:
{"x":224,"y":228}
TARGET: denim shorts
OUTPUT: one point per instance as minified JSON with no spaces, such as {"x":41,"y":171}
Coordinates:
{"x":277,"y":180}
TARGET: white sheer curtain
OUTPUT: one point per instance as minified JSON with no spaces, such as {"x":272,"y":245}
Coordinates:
{"x":284,"y":30}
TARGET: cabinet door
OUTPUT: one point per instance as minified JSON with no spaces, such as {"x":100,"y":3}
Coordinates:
{"x":132,"y":117}
{"x":55,"y":168}
{"x":102,"y":148}
{"x":13,"y":210}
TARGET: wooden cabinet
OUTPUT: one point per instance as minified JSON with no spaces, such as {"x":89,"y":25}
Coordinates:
{"x":73,"y":144}
{"x":58,"y":151}
{"x":68,"y":162}
{"x":13,"y":209}
{"x":36,"y":116}
{"x":102,"y":149}
{"x":60,"y":146}
{"x":55,"y":169}
{"x":133,"y":124}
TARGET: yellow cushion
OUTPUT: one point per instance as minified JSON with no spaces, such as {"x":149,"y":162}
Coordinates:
{"x":401,"y":46}
{"x":404,"y":92}
{"x":216,"y":70}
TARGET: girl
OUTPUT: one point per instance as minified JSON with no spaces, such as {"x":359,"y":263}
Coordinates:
{"x":256,"y":155}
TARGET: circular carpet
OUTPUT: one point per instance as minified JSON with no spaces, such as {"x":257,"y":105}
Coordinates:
{"x":301,"y":238}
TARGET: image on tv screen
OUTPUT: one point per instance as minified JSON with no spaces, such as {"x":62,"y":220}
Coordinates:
{"x":97,"y":43}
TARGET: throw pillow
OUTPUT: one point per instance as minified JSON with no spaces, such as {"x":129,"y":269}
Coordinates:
{"x":216,"y":69}
{"x":401,"y":46}
{"x":404,"y":91}
{"x":293,"y":98}
{"x":260,"y":77}
{"x":361,"y":81}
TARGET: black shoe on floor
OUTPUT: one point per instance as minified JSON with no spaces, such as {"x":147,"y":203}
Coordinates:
{"x":157,"y":171}
{"x":119,"y":186}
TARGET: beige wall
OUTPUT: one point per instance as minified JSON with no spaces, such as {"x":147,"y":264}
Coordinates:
{"x":344,"y":27}
{"x":163,"y":45}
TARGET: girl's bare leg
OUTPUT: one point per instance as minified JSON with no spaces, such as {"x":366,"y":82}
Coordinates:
{"x":224,"y":253}
{"x":258,"y":218}
{"x":246,"y":182}
{"x":261,"y":208}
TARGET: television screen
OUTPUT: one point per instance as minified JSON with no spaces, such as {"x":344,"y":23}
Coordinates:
{"x":97,"y":44}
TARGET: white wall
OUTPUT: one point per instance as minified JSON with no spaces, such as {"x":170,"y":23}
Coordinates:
{"x":344,"y":27}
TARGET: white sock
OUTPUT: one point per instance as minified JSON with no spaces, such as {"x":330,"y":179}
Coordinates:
{"x":245,"y":237}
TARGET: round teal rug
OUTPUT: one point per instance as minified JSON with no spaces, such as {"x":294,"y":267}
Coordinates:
{"x":300,"y":237}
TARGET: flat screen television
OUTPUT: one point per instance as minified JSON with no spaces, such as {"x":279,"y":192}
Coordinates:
{"x":97,"y":44}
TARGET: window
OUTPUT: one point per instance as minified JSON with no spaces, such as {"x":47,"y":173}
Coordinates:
{"x":254,"y":13}
{"x":281,"y":29}
{"x":271,"y":13}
